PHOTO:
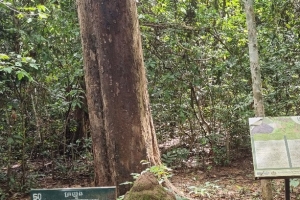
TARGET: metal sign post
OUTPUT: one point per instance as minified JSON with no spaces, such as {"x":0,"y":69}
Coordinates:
{"x":287,"y":188}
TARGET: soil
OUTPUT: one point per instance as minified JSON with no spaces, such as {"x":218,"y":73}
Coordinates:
{"x":235,"y":181}
{"x":230,"y":182}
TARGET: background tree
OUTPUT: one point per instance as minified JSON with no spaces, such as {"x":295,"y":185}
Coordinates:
{"x":256,"y":81}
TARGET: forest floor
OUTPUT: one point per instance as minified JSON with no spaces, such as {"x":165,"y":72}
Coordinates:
{"x":235,"y":181}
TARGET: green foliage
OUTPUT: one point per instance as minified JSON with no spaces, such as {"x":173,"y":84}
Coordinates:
{"x":43,"y":111}
{"x":201,"y":53}
{"x":17,"y":66}
{"x":3,"y":195}
{"x":197,"y":63}
{"x":175,"y":157}
{"x":204,"y":190}
{"x":160,"y":171}
{"x":198,"y":69}
{"x":294,"y":183}
{"x":219,"y":156}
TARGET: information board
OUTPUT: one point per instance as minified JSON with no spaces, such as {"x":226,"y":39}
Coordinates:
{"x":275,"y":143}
{"x":92,"y":193}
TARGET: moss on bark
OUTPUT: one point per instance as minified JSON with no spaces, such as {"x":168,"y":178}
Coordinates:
{"x":146,"y":187}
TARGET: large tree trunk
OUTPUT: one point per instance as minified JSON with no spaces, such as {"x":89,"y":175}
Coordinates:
{"x":256,"y":81}
{"x":116,"y":89}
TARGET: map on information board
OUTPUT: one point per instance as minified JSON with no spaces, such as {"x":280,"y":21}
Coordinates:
{"x":275,"y":143}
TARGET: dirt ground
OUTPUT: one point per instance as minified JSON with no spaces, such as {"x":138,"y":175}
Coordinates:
{"x":232,"y":182}
{"x":235,"y":181}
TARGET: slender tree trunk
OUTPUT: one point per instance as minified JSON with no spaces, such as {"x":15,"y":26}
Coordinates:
{"x":116,"y":89}
{"x":256,"y":81}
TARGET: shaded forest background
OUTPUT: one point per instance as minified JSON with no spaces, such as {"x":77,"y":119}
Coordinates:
{"x":196,"y":54}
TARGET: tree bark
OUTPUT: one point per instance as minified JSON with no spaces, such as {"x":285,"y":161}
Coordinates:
{"x":116,"y":89}
{"x":256,"y":81}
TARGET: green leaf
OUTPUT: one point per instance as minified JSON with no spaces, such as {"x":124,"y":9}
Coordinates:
{"x":20,"y":75}
{"x":41,"y":8}
{"x":28,"y":8}
{"x":141,"y":16}
{"x":20,"y":16}
{"x":18,"y":64}
{"x":18,"y":137}
{"x":43,"y":16}
{"x":294,"y":183}
{"x":27,"y":59}
{"x":183,"y":10}
{"x":7,"y":69}
{"x":35,"y":66}
{"x":6,"y":3}
{"x":4,"y":56}
{"x":29,"y":20}
{"x":126,"y":183}
{"x":10,"y":140}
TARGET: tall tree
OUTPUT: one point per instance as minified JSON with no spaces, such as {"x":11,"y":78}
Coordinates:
{"x":116,"y":89}
{"x":256,"y":80}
